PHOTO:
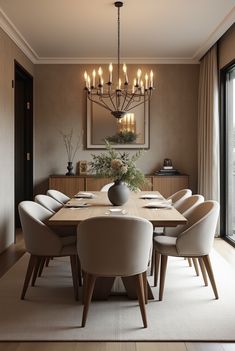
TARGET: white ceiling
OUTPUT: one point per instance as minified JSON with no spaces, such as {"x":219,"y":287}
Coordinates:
{"x":86,"y":30}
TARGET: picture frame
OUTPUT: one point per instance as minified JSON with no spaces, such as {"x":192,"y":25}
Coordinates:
{"x":82,"y":167}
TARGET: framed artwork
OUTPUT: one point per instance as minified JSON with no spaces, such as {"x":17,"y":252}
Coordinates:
{"x":82,"y":167}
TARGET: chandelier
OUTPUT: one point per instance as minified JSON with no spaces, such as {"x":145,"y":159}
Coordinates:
{"x":121,"y":97}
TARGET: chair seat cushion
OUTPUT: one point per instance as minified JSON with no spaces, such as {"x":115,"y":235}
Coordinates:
{"x":165,"y":245}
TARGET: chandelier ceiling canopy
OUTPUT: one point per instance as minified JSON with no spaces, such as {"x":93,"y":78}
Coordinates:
{"x":122,"y":97}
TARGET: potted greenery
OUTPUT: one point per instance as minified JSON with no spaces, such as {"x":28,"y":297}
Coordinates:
{"x":122,"y":169}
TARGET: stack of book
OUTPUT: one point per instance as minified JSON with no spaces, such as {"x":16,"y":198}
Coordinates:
{"x":167,"y":170}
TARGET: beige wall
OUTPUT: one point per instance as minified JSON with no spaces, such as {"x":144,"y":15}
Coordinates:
{"x":227,"y":47}
{"x":8,"y":53}
{"x":60,"y":105}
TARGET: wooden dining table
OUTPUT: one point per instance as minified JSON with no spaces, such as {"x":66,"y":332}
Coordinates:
{"x":99,"y":205}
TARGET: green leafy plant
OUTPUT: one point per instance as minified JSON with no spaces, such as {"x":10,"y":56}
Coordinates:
{"x":119,"y":166}
{"x":123,"y":137}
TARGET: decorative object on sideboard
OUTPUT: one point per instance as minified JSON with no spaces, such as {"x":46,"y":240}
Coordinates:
{"x":167,"y":168}
{"x":121,"y":169}
{"x":118,"y":98}
{"x":82,"y":167}
{"x":71,"y":149}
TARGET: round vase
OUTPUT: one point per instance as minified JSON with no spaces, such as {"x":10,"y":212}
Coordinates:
{"x":118,"y":193}
{"x":70,"y":169}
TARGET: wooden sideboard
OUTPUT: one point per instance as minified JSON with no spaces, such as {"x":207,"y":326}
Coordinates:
{"x":70,"y":185}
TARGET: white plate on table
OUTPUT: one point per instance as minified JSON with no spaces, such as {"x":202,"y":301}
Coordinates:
{"x":76,"y":205}
{"x":116,"y":211}
{"x":151,"y":196}
{"x":84,"y":195}
{"x":158,"y":205}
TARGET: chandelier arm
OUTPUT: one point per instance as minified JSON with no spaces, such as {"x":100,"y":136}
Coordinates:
{"x":126,"y":94}
{"x":99,"y":103}
{"x":131,"y":99}
{"x":110,"y":97}
{"x":142,"y":102}
{"x":102,"y":100}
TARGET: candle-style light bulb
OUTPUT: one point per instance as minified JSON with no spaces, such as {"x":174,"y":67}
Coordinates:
{"x":100,"y":72}
{"x":85,"y":77}
{"x":110,"y":72}
{"x":146,"y":81}
{"x":125,"y":73}
{"x":88,"y":82}
{"x":93,"y":76}
{"x":151,"y":79}
{"x":138,"y":76}
{"x":119,"y":84}
{"x":142,"y":86}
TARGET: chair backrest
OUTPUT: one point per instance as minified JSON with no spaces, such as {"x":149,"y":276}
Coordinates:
{"x":178,"y":197}
{"x":186,"y":208}
{"x":106,"y":187}
{"x":197,"y":238}
{"x":48,"y":202}
{"x":114,"y":246}
{"x":39,"y":238}
{"x":58,"y":196}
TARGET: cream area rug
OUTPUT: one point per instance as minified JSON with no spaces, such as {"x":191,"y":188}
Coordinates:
{"x":188,"y":311}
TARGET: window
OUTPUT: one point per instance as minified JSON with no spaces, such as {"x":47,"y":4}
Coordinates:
{"x":228,"y":153}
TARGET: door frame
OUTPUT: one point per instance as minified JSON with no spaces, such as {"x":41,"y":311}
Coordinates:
{"x":28,"y":127}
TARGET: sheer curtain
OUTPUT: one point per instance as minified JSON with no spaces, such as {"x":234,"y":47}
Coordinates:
{"x":208,"y":127}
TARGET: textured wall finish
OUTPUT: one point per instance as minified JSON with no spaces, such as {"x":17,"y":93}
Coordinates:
{"x":60,"y":105}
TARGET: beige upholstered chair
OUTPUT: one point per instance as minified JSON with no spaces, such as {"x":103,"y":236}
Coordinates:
{"x":185,"y":205}
{"x":106,"y":187}
{"x":58,"y":196}
{"x":114,"y":246}
{"x":178,"y":197}
{"x":41,"y":242}
{"x":48,"y":202}
{"x":195,"y":241}
{"x":186,"y":208}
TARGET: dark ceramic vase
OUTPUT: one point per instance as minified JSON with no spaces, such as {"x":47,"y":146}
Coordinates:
{"x":70,"y":169}
{"x":118,"y":193}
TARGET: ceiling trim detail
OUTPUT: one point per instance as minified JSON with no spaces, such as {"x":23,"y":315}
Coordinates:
{"x":104,"y":60}
{"x":215,"y":35}
{"x":10,"y":29}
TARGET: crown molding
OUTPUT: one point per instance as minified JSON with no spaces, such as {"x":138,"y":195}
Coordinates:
{"x":227,"y":22}
{"x":10,"y":29}
{"x":107,"y":60}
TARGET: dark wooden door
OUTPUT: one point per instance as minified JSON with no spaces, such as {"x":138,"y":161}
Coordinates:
{"x":23,"y":86}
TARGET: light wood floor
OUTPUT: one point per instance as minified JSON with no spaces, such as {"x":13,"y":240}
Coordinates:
{"x":10,"y":256}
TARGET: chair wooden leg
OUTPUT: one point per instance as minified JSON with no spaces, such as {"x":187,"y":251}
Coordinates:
{"x":141,"y":298}
{"x":73,"y":262}
{"x":156,"y":267}
{"x":145,"y":287}
{"x":204,"y":275}
{"x":79,"y":270}
{"x":36,"y":269}
{"x":42,"y":264}
{"x":190,"y":262}
{"x":31,"y":265}
{"x":195,"y":266}
{"x":207,"y":262}
{"x":90,"y":283}
{"x":84,"y":274}
{"x":164,"y":259}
